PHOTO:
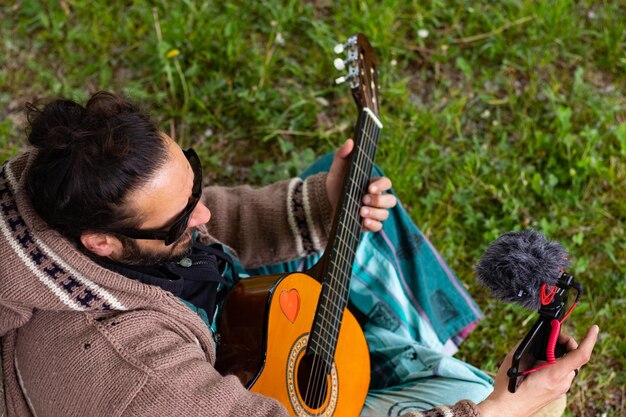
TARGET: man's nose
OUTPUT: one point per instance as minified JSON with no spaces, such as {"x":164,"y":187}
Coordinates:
{"x":200,"y":215}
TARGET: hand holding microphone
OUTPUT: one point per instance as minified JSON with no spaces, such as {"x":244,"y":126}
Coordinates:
{"x":527,"y":269}
{"x":539,"y":388}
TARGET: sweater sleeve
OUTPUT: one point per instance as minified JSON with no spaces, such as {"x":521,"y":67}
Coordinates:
{"x":194,"y":388}
{"x":275,"y":223}
{"x":179,"y":377}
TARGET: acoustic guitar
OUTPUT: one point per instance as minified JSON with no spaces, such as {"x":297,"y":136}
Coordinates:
{"x":291,"y":336}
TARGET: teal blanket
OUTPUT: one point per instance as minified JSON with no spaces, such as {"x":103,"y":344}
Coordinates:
{"x":413,"y":309}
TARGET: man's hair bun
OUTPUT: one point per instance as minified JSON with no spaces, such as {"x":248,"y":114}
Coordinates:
{"x":56,"y":126}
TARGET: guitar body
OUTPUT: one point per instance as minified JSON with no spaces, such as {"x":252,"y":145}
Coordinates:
{"x":264,"y":329}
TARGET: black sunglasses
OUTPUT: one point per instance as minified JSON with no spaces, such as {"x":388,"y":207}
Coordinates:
{"x":179,"y":226}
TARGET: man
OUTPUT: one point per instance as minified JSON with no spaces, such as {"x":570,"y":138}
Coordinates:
{"x":109,"y":279}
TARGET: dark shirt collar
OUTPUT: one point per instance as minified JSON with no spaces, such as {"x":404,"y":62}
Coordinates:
{"x":185,"y":278}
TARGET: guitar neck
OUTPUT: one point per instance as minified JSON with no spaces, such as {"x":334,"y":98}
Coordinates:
{"x":346,"y":231}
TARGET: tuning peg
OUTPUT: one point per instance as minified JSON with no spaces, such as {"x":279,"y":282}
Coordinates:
{"x":339,"y":64}
{"x":341,"y":80}
{"x":338,"y":48}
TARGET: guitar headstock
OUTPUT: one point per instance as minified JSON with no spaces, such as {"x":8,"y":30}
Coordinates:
{"x":362,"y":74}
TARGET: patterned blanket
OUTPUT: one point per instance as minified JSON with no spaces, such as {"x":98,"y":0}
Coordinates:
{"x":413,"y":309}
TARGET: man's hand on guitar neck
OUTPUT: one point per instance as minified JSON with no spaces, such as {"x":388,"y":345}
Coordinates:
{"x":376,"y":203}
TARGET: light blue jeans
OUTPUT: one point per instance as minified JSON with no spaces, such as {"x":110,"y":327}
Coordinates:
{"x":426,"y":393}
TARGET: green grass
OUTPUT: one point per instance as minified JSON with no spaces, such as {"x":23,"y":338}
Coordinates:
{"x":507,"y":115}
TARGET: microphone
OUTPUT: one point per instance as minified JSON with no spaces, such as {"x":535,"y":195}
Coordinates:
{"x":517,"y":264}
{"x":525,"y":268}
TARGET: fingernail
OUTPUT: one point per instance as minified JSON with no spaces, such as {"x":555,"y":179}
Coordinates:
{"x":373,"y":189}
{"x":365,"y":211}
{"x":367,"y":199}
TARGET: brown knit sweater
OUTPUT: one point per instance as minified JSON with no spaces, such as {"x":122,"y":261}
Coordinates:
{"x":81,"y":340}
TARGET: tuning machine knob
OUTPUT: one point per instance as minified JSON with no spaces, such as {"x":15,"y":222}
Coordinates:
{"x":339,"y":64}
{"x":339,"y":48}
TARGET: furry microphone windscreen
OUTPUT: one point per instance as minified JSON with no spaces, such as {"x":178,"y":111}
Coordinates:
{"x":516,"y":265}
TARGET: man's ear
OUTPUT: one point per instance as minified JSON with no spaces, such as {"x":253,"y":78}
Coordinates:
{"x":101,"y":244}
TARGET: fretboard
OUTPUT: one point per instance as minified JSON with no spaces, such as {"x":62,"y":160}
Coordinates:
{"x":341,"y":248}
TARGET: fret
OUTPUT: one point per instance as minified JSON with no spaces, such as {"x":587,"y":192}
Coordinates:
{"x":335,"y":273}
{"x":331,"y":327}
{"x":343,"y":259}
{"x":326,"y":352}
{"x":360,"y":181}
{"x":333,"y":305}
{"x":336,"y":306}
{"x":339,"y":289}
{"x":368,"y":157}
{"x":324,"y":329}
{"x":327,"y":311}
{"x":324,"y":335}
{"x":362,"y":172}
{"x":368,"y":136}
{"x":323,"y":346}
{"x":328,"y":348}
{"x":342,"y":284}
{"x":349,"y":219}
{"x":336,"y":299}
{"x":346,"y":256}
{"x":352,"y":201}
{"x":353,"y":234}
{"x":350,"y":252}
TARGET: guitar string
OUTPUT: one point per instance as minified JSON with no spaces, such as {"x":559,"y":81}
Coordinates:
{"x":352,"y":207}
{"x":318,"y":372}
{"x":347,"y":258}
{"x":341,"y":293}
{"x":367,"y":149}
{"x":365,"y":153}
{"x":348,"y":237}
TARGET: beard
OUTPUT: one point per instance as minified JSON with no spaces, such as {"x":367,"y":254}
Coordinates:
{"x":135,"y":255}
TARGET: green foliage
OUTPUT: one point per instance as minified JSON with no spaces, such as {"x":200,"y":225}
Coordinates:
{"x":505,"y":115}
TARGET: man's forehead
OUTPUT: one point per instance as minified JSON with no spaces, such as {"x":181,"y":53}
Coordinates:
{"x":168,"y":190}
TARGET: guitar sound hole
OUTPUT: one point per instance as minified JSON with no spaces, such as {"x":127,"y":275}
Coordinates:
{"x":313,"y":380}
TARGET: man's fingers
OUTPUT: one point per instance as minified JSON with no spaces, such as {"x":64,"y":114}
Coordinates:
{"x":384,"y":201}
{"x":374,"y":213}
{"x":372,"y":225}
{"x":378,"y":185}
{"x":340,"y":161}
{"x":569,"y":342}
{"x":340,"y":158}
{"x":580,"y":356}
{"x":345,"y":149}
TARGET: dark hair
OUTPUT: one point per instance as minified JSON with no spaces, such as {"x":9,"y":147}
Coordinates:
{"x":89,"y":159}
